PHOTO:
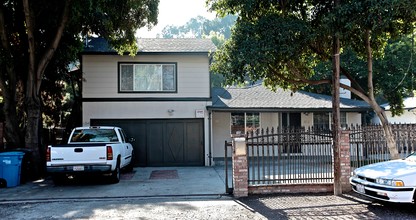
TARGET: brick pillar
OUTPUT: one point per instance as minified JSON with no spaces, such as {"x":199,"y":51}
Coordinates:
{"x":240,"y":167}
{"x":345,"y":161}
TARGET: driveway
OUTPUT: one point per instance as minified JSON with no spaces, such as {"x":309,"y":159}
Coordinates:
{"x":142,"y":182}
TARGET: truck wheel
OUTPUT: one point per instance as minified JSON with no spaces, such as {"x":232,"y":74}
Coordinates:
{"x":115,"y":175}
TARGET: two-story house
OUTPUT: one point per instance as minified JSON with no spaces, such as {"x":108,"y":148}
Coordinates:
{"x":159,"y":97}
{"x":162,"y":98}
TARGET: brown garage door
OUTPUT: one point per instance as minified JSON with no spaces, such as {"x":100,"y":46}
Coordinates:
{"x":177,"y":142}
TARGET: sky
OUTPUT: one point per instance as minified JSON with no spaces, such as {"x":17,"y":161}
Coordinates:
{"x":177,"y":13}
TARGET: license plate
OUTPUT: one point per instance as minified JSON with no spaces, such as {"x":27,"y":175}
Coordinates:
{"x":360,"y":188}
{"x":78,"y":168}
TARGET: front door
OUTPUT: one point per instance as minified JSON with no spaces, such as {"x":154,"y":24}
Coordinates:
{"x":291,"y":120}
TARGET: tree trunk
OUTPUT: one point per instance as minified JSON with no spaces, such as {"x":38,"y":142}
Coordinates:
{"x":12,"y":132}
{"x":388,"y":133}
{"x":336,"y":125}
{"x":36,"y":69}
{"x":32,"y":135}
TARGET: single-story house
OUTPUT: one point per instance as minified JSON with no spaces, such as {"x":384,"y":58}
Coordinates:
{"x":408,"y":116}
{"x":238,"y":110}
{"x":162,"y":98}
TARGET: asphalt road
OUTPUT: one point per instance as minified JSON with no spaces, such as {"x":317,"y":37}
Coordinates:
{"x":312,"y":206}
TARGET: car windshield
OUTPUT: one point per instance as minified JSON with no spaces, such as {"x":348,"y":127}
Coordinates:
{"x":94,"y":135}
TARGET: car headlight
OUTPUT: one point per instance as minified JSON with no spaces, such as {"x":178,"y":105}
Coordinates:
{"x":389,"y":182}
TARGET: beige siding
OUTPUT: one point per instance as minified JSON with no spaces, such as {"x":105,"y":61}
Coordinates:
{"x":141,"y":110}
{"x":221,"y":132}
{"x":221,"y":128}
{"x":406,"y":117}
{"x":101,"y":76}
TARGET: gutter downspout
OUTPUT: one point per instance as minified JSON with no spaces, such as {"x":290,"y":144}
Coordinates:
{"x":210,"y":137}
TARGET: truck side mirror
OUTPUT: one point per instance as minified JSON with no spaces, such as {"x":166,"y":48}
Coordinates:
{"x":131,"y":140}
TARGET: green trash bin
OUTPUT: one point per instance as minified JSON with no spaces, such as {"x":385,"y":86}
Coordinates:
{"x":10,"y":166}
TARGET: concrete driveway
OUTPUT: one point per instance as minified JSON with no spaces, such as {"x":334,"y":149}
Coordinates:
{"x":142,"y":182}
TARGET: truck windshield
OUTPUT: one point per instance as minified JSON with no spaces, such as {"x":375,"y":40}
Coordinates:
{"x":94,"y":135}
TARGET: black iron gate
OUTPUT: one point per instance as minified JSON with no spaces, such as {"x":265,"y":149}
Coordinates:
{"x":289,"y":155}
{"x":368,"y":144}
{"x":228,"y":167}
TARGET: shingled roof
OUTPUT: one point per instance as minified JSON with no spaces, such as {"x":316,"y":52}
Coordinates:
{"x":155,"y":45}
{"x":260,"y":98}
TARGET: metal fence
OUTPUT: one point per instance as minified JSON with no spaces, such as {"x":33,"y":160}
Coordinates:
{"x":229,"y":185}
{"x":304,"y":155}
{"x":289,"y":155}
{"x":368,"y":144}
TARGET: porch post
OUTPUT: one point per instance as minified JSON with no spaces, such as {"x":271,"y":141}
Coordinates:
{"x":345,"y":161}
{"x":240,"y":167}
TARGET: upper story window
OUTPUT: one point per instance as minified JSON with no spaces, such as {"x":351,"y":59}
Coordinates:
{"x":147,"y":77}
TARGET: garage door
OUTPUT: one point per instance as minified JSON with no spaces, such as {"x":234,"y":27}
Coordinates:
{"x":177,"y":142}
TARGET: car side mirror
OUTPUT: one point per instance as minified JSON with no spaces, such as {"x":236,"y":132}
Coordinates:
{"x":131,"y":140}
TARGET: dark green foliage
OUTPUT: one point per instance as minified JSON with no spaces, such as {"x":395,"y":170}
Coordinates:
{"x":36,"y":53}
{"x":201,"y":27}
{"x":288,"y":44}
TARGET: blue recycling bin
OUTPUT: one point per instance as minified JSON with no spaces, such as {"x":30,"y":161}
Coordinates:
{"x":10,"y":166}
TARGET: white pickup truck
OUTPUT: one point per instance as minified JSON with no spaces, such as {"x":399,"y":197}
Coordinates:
{"x":102,"y":150}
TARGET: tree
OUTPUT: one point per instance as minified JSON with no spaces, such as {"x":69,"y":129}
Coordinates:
{"x":282,"y":41}
{"x":394,"y":72}
{"x":31,"y":33}
{"x":200,"y":27}
{"x":218,"y":30}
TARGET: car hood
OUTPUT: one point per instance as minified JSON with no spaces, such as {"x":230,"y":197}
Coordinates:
{"x":389,"y":169}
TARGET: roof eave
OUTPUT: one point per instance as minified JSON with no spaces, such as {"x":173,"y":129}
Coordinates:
{"x":146,"y":53}
{"x":268,"y":109}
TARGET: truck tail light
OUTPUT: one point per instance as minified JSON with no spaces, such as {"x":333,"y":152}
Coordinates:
{"x":109,"y":153}
{"x":48,"y":154}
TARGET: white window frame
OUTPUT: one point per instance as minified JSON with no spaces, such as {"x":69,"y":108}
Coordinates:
{"x":245,"y":121}
{"x":159,"y":74}
{"x":343,"y":119}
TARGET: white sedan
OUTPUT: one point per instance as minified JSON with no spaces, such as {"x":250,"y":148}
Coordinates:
{"x":393,"y":181}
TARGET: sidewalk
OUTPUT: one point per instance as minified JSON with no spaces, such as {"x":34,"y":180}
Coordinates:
{"x":181,"y":192}
{"x":142,"y":182}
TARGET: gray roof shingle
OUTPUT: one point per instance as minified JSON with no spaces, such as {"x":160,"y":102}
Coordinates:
{"x":259,"y":97}
{"x":156,"y":45}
